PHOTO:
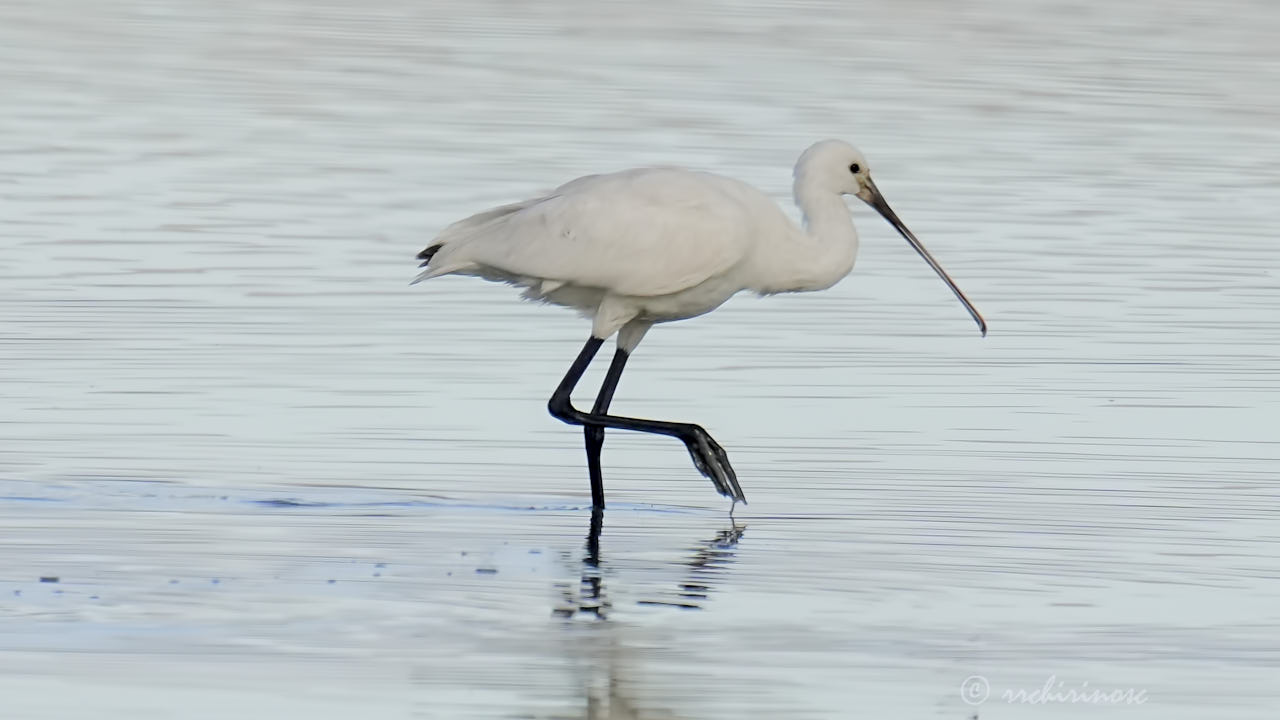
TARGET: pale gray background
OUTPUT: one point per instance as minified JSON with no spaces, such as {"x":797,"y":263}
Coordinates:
{"x":208,"y":212}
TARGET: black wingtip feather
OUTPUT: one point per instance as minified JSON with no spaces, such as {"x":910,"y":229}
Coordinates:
{"x":426,"y":255}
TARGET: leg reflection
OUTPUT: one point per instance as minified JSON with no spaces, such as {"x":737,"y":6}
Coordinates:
{"x":611,"y":671}
{"x":707,"y":561}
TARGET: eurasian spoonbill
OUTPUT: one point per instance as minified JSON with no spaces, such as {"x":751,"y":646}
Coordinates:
{"x":643,"y":246}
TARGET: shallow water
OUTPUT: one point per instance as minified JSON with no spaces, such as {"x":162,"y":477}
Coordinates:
{"x":271,"y":478}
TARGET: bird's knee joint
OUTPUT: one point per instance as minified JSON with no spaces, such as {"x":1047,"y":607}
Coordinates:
{"x":563,"y":410}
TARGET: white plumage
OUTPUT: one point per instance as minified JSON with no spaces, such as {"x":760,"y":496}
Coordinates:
{"x":640,"y":232}
{"x":638,"y":247}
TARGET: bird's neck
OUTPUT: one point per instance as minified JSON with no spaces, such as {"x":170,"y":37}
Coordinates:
{"x":823,"y":252}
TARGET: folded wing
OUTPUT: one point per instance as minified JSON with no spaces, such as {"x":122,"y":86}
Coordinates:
{"x":641,"y":232}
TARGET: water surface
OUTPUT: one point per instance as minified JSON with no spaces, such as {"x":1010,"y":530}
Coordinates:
{"x":271,"y":478}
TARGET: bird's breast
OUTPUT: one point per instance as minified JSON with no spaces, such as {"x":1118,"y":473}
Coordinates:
{"x":691,"y":302}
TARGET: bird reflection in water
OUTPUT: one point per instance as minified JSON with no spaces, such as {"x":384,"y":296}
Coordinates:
{"x":709,"y":558}
{"x":604,"y":652}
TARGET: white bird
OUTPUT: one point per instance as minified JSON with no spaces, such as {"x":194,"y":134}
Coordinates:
{"x":638,"y":247}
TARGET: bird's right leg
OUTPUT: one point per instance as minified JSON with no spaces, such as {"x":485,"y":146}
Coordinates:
{"x":595,"y":433}
{"x":710,"y":459}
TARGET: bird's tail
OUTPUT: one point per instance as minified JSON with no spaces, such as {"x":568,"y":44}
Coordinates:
{"x":456,"y":235}
{"x":430,"y":272}
{"x":426,"y":255}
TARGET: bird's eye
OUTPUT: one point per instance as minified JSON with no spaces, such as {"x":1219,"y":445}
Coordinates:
{"x":855,"y":168}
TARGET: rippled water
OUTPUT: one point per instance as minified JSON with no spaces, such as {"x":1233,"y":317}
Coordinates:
{"x":259,"y":474}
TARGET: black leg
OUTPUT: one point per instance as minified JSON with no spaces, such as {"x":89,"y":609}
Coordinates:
{"x":595,"y":433}
{"x":710,"y":459}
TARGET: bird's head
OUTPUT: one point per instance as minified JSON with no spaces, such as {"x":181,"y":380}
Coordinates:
{"x":836,"y":166}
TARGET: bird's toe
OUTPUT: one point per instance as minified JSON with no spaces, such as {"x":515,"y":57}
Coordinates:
{"x":713,"y":462}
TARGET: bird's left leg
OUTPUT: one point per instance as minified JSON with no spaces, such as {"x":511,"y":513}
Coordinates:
{"x":595,"y":433}
{"x":708,"y":456}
